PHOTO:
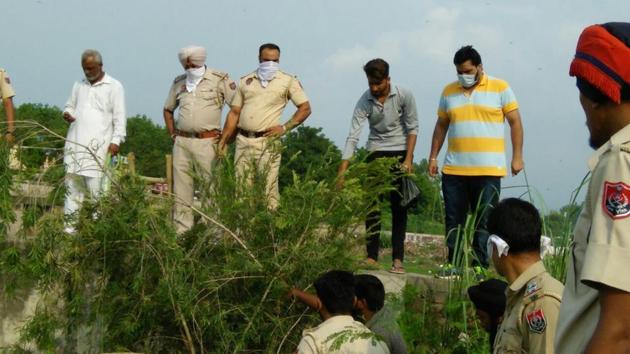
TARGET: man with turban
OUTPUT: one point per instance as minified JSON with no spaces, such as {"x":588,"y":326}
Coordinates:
{"x":255,"y":118}
{"x":595,"y":312}
{"x":199,"y":95}
{"x":6,"y":94}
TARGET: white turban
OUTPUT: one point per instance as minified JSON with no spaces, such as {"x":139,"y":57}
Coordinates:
{"x":196,"y":54}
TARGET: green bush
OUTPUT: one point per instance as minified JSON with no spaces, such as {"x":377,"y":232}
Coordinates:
{"x":129,"y":280}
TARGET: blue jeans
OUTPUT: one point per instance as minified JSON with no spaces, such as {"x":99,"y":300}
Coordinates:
{"x":463,"y":194}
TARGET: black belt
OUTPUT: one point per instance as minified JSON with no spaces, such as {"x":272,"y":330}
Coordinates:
{"x":250,"y":134}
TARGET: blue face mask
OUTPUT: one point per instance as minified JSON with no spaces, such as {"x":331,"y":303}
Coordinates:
{"x":467,"y":80}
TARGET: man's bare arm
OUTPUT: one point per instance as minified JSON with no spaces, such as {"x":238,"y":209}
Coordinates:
{"x":229,"y":128}
{"x":612,"y":334}
{"x":516,"y":133}
{"x":439,"y":135}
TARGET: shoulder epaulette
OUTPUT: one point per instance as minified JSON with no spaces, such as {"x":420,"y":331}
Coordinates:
{"x":248,"y":74}
{"x":220,"y":74}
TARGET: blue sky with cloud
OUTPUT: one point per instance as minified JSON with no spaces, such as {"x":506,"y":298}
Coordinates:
{"x":528,"y":43}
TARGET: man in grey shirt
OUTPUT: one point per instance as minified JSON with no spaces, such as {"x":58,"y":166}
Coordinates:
{"x":393,"y":119}
{"x":379,"y":318}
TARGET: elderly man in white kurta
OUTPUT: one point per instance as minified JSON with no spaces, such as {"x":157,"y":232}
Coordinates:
{"x":96,"y":113}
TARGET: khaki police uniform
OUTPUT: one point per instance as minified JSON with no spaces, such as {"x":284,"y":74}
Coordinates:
{"x":199,"y":114}
{"x":321,"y":339}
{"x":531,"y":313}
{"x":261,"y":109}
{"x":6,"y":90}
{"x":600,"y":251}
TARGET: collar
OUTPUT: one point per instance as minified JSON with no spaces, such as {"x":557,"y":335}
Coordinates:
{"x":531,"y":272}
{"x":620,"y":137}
{"x":105,"y":80}
{"x":378,"y":315}
{"x":340,"y":319}
{"x":483,"y":81}
{"x":207,"y":75}
{"x":393,"y":91}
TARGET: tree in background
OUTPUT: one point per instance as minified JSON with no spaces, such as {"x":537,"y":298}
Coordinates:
{"x":308,"y":149}
{"x":150,"y":143}
{"x":41,"y":144}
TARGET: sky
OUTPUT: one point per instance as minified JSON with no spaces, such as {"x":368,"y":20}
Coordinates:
{"x":325,"y":43}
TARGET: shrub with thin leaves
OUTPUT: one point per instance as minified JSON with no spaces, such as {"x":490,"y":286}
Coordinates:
{"x":129,"y":281}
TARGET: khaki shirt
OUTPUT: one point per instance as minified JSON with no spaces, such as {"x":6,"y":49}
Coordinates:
{"x":200,"y":110}
{"x":6,"y":90}
{"x":531,"y":314}
{"x":600,"y":251}
{"x":261,"y":108}
{"x":343,"y":329}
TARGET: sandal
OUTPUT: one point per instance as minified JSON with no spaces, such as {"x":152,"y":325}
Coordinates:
{"x":370,"y":264}
{"x":397,"y":270}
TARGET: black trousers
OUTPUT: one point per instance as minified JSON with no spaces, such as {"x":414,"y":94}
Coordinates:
{"x":399,"y":213}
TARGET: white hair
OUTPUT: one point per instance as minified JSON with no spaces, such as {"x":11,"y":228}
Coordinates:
{"x":92,"y":53}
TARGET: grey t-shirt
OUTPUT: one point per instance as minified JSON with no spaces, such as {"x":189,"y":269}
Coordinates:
{"x":383,"y":323}
{"x":390,"y":122}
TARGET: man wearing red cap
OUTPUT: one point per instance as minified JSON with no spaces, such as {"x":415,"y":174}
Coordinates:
{"x":595,"y":312}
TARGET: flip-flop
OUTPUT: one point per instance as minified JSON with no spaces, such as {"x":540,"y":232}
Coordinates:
{"x":370,"y":264}
{"x":397,"y":270}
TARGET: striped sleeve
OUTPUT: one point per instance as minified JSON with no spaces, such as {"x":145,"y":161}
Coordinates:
{"x":508,"y":100}
{"x":442,"y":109}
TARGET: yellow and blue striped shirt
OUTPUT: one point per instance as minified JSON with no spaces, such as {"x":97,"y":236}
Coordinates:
{"x":476,"y":145}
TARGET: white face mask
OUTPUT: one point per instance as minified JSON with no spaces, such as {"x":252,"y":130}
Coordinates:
{"x":499,"y":243}
{"x":195,"y":73}
{"x":467,"y":80}
{"x":266,"y":71}
{"x":193,"y":77}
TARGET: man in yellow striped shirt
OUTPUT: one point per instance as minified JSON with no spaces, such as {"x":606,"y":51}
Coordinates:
{"x":473,"y":111}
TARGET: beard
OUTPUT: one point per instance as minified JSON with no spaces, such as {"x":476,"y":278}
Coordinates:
{"x":595,"y":142}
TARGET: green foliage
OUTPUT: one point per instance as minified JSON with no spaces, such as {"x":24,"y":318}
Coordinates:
{"x":559,"y":226}
{"x":426,"y":215}
{"x":449,"y":324}
{"x":7,"y":215}
{"x":150,"y":143}
{"x":30,"y":122}
{"x":336,"y":340}
{"x":307,"y":149}
{"x":220,"y":288}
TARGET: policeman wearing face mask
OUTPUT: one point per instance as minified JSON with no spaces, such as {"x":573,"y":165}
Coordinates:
{"x":254,"y":120}
{"x":473,"y":110}
{"x":199,"y":96}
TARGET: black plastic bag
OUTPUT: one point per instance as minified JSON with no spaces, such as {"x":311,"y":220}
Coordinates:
{"x":410,"y":191}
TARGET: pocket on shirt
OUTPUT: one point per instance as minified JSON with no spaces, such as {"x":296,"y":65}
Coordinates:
{"x":210,"y":97}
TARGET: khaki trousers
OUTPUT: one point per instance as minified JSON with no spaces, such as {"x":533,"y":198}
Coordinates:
{"x":190,"y":155}
{"x":259,"y":156}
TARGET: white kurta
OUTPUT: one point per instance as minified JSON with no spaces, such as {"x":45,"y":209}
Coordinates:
{"x":101,"y":120}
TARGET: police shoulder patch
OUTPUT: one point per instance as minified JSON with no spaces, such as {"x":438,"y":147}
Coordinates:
{"x":616,"y":200}
{"x":7,"y":80}
{"x":531,"y":288}
{"x":233,"y":85}
{"x":249,"y":81}
{"x":536,"y":321}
